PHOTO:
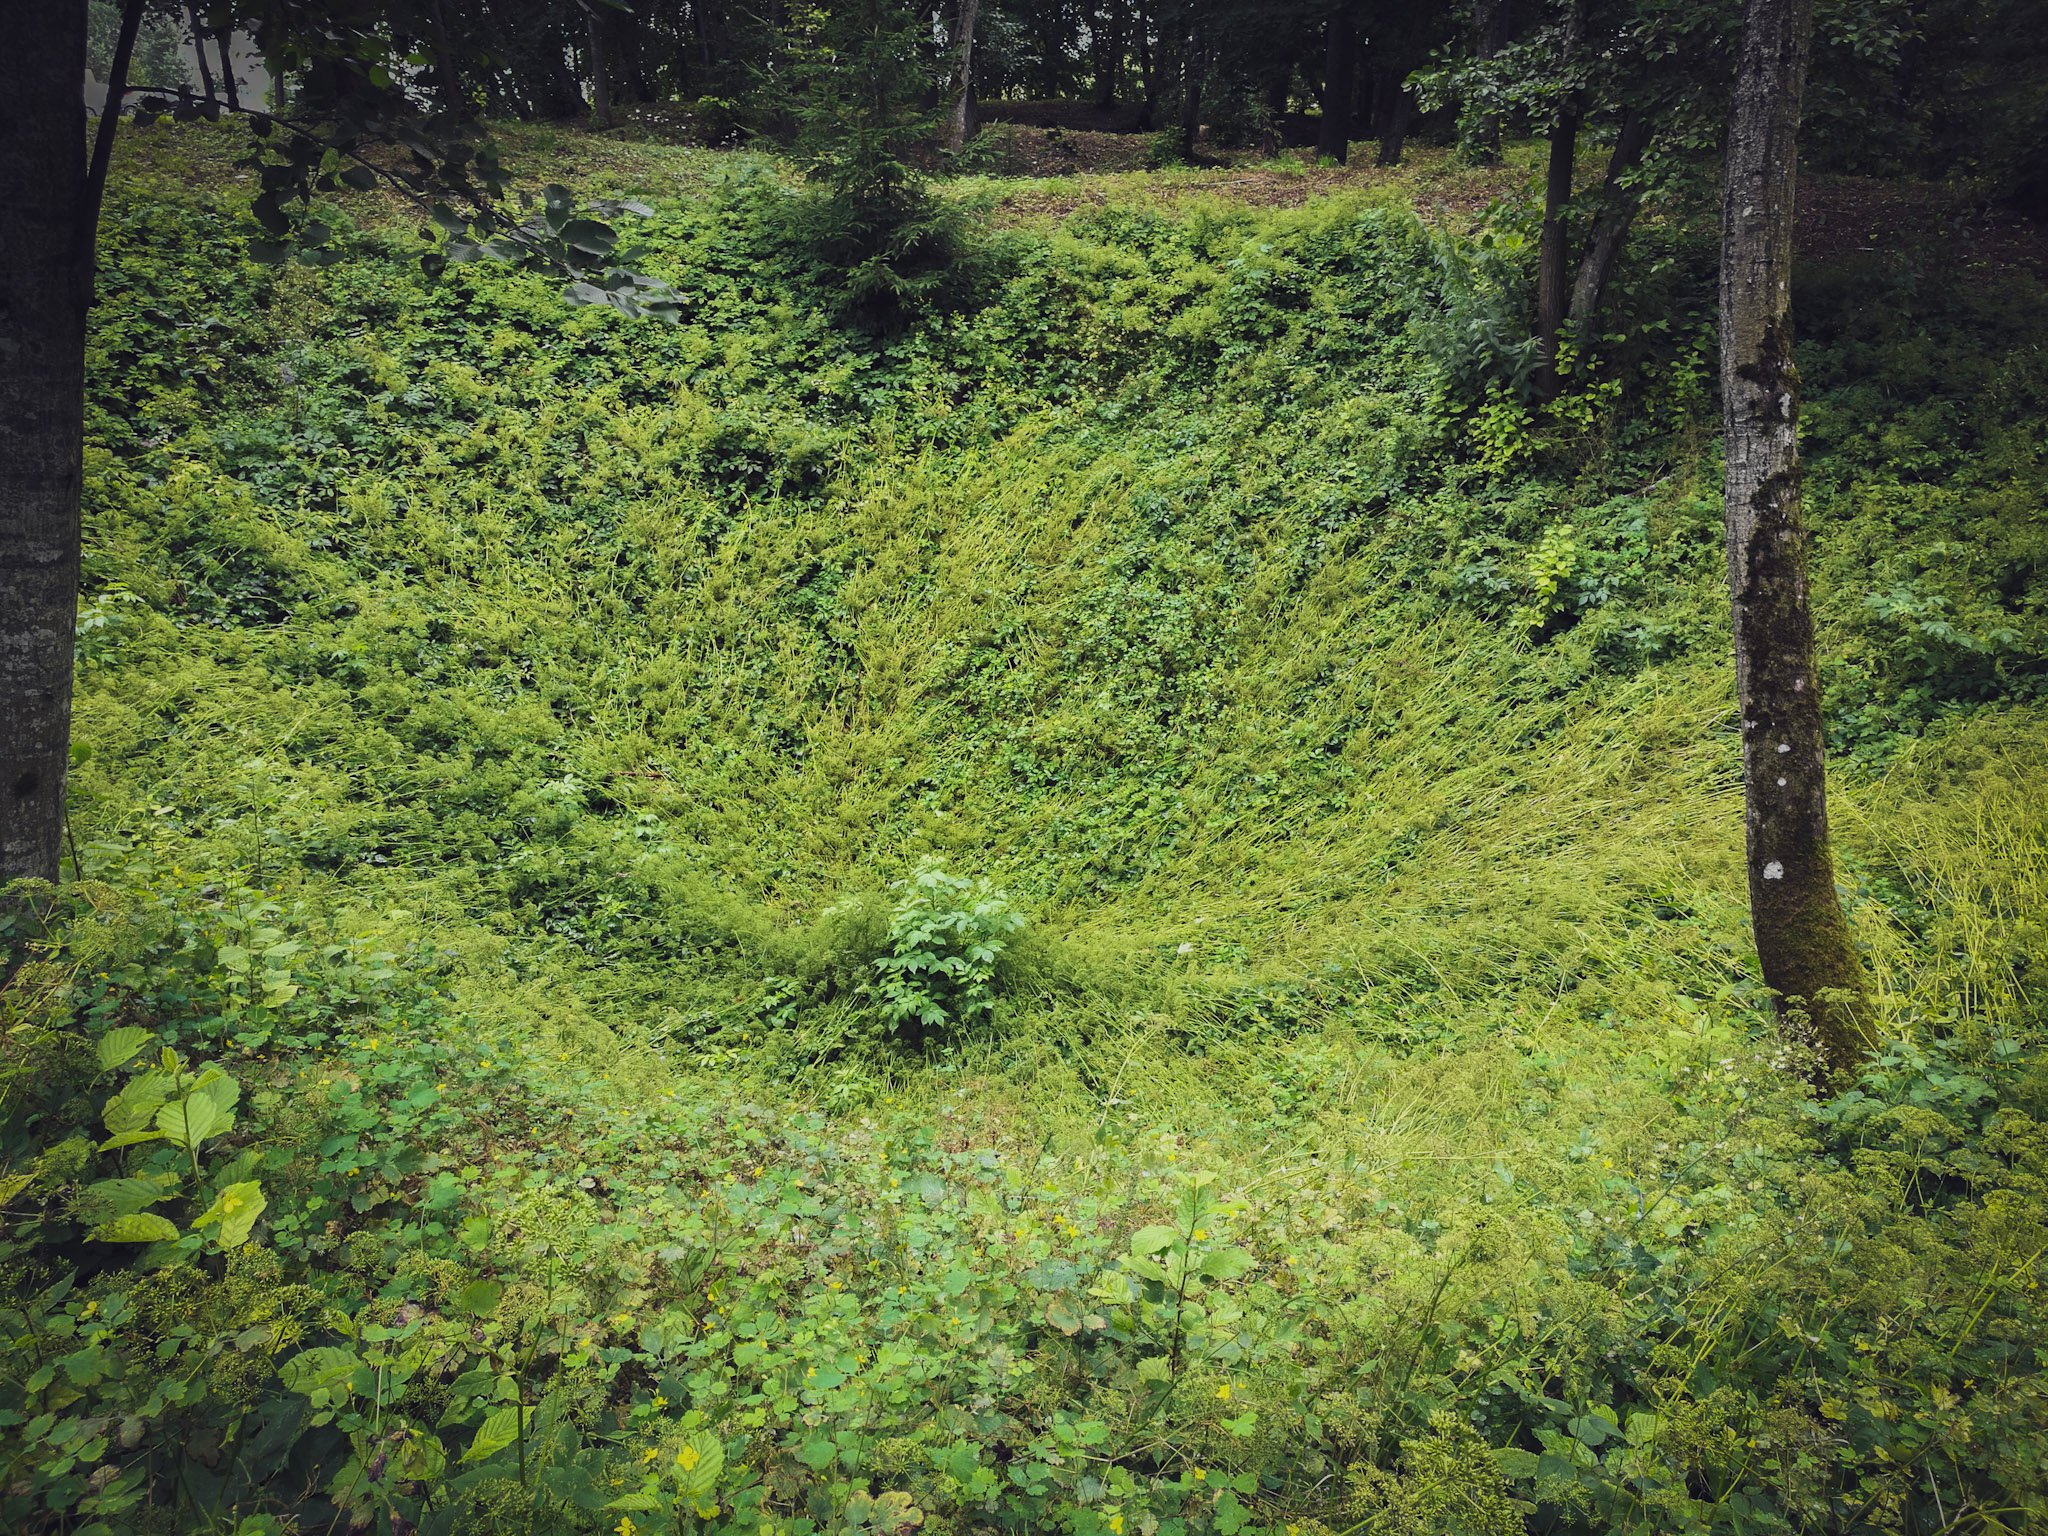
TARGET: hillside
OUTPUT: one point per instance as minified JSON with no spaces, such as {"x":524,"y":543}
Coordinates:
{"x":510,"y":735}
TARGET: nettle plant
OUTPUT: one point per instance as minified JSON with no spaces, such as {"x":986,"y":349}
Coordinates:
{"x":946,"y":935}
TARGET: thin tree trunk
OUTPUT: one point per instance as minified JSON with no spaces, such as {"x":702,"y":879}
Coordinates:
{"x":1553,"y":253}
{"x":46,"y":244}
{"x":1618,"y":204}
{"x":225,"y":41}
{"x":1148,"y":70}
{"x":600,"y":67}
{"x":1193,"y":67}
{"x":1489,"y":36}
{"x":199,"y":49}
{"x":447,"y":76}
{"x":1802,"y":937}
{"x":1333,"y":135}
{"x":960,"y":112}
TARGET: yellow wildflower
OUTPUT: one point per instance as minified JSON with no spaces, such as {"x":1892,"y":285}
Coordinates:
{"x":687,"y":1458}
{"x":625,"y":1527}
{"x":1223,"y":1392}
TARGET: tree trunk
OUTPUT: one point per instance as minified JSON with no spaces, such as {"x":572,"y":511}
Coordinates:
{"x":1489,"y":36}
{"x":1802,"y":938}
{"x":1394,"y":127}
{"x":629,"y":74}
{"x":447,"y":76}
{"x":1109,"y":55}
{"x":1618,"y":205}
{"x":960,"y":108}
{"x":1333,"y":136}
{"x":1148,"y":71}
{"x":1553,"y":254}
{"x":601,"y":114}
{"x":225,"y":40}
{"x":1193,"y":66}
{"x":199,"y":49}
{"x":45,"y":256}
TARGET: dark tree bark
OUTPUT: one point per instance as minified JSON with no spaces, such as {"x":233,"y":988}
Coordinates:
{"x":46,"y":243}
{"x":601,"y":113}
{"x":1618,"y":204}
{"x":230,"y":87}
{"x":447,"y":75}
{"x":1553,"y":253}
{"x":1340,"y":48}
{"x":629,"y":75}
{"x":1490,"y":33}
{"x":961,"y":113}
{"x":1802,"y":937}
{"x":1390,"y":93}
{"x":199,"y":49}
{"x":1109,"y":54}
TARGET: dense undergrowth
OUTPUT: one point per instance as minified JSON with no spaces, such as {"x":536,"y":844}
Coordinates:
{"x":1120,"y":912}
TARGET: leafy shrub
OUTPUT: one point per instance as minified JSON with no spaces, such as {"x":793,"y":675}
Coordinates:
{"x":946,"y":935}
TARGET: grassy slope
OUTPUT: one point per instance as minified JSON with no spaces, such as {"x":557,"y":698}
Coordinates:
{"x":609,"y":659}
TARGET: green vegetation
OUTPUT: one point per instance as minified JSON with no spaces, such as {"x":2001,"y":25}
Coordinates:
{"x":1117,"y":912}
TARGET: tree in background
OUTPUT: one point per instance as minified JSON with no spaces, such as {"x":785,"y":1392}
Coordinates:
{"x":155,"y":56}
{"x":1802,"y":937}
{"x":868,"y":219}
{"x":1649,"y":79}
{"x":961,"y":118}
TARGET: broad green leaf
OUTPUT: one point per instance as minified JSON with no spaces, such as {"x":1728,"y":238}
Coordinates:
{"x":479,"y":1298}
{"x":106,"y":1199}
{"x":189,"y":1122}
{"x":135,"y":1106}
{"x":120,"y":1046}
{"x":1153,"y":1239}
{"x":698,"y":1464}
{"x":1226,"y":1263}
{"x":818,"y":1454}
{"x":1515,"y":1464}
{"x":13,"y":1185}
{"x":219,"y":1087}
{"x":311,"y":1370}
{"x":236,"y":1210}
{"x":635,"y":1503}
{"x":142,"y":1227}
{"x":1063,"y":1315}
{"x":130,"y":1139}
{"x":496,"y":1432}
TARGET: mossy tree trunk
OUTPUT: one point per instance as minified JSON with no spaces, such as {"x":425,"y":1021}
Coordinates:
{"x":1802,"y":937}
